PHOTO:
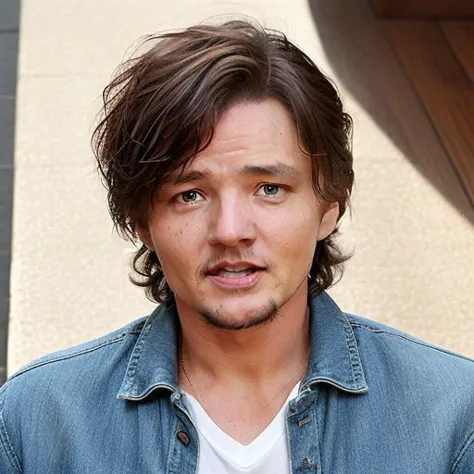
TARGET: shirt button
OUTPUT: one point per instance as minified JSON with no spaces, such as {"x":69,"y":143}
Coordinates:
{"x":183,"y":437}
{"x":307,"y":463}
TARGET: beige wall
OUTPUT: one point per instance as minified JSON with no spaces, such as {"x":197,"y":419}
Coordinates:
{"x":413,"y":248}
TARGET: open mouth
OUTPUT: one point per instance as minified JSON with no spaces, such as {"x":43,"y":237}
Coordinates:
{"x":233,"y":273}
{"x":236,"y":275}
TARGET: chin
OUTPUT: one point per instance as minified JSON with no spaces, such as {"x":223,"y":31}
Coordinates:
{"x":240,"y":316}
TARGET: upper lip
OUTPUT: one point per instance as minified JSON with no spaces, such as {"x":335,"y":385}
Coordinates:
{"x":241,"y":265}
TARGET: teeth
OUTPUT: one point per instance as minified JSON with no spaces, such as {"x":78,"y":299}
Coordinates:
{"x":228,"y":271}
{"x":235,"y":270}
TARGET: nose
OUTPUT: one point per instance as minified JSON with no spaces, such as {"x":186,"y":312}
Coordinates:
{"x":232,"y":221}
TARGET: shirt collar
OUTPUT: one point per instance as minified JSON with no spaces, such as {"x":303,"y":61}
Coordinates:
{"x":334,"y":356}
{"x":153,"y":363}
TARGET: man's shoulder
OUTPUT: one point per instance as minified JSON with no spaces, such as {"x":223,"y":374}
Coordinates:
{"x":72,"y":384}
{"x":62,"y":367}
{"x":419,"y":381}
{"x":393,"y":346}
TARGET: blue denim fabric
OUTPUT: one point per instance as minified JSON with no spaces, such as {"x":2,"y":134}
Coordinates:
{"x":374,"y":400}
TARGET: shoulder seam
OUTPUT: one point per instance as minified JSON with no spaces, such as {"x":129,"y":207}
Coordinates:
{"x":6,"y":443}
{"x":41,"y":362}
{"x":469,"y":442}
{"x":408,"y":338}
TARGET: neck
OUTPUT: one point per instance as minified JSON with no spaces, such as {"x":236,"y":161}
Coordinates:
{"x":261,"y":356}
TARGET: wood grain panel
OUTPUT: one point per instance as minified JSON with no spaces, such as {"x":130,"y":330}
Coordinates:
{"x":460,"y":36}
{"x":444,"y":88}
{"x":424,"y":9}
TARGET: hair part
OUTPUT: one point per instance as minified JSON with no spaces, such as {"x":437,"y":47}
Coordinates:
{"x":161,"y":109}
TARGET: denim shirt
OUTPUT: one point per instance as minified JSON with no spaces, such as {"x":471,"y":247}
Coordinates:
{"x":374,"y":400}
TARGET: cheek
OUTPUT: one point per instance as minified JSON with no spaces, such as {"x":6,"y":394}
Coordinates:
{"x":301,"y":221}
{"x":177,"y":246}
{"x":299,"y":246}
{"x":298,"y":238}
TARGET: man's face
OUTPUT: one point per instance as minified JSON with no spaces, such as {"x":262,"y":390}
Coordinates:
{"x":236,"y":232}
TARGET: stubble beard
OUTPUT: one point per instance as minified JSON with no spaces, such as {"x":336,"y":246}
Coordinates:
{"x":255,"y":318}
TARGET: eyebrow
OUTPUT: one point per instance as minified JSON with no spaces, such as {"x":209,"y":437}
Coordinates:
{"x":278,"y":170}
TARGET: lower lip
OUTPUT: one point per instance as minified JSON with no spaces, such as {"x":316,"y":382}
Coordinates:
{"x":242,"y":282}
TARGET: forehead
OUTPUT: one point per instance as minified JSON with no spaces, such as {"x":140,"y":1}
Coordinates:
{"x":261,"y":133}
{"x":256,"y":122}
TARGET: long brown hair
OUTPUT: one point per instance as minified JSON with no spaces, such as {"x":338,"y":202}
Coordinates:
{"x":162,"y":106}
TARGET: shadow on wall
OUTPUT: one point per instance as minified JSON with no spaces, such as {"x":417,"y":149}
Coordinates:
{"x":365,"y":65}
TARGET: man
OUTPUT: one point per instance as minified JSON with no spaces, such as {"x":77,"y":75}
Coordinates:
{"x":227,"y":153}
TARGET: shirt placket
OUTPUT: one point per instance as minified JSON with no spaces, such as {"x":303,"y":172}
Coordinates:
{"x":184,"y":449}
{"x":303,"y":435}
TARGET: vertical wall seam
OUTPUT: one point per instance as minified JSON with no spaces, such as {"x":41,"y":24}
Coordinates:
{"x":10,"y":12}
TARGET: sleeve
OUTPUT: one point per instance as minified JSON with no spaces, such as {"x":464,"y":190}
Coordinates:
{"x":9,"y":462}
{"x":465,"y":462}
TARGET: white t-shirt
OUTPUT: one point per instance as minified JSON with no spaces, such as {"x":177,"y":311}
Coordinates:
{"x":220,"y":454}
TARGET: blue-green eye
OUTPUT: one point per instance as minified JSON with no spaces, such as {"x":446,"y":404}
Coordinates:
{"x":190,"y":196}
{"x":270,"y":189}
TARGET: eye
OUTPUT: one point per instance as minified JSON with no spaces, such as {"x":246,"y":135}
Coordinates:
{"x":270,"y":190}
{"x":190,"y":197}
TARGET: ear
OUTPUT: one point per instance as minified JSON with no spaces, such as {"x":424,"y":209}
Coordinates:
{"x":145,"y":237}
{"x":328,"y":220}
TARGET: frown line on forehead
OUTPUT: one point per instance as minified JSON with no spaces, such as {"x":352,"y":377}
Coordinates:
{"x":277,"y":170}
